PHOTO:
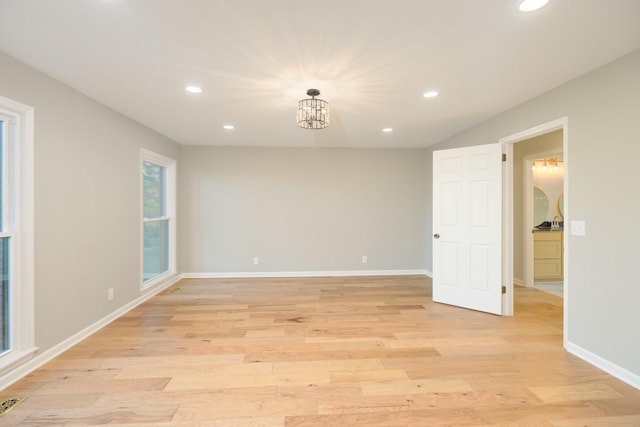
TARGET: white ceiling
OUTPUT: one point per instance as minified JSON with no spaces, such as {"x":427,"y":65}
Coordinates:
{"x":371,"y":59}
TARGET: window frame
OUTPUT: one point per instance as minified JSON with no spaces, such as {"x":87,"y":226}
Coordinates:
{"x":18,"y":225}
{"x":170,"y":214}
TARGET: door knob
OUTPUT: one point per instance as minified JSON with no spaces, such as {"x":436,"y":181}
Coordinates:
{"x":437,"y":236}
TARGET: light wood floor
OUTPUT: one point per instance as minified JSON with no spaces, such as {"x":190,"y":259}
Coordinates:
{"x":323,"y":352}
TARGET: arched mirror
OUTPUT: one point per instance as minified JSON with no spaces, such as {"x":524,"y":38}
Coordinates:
{"x":561,"y":204}
{"x":540,"y":206}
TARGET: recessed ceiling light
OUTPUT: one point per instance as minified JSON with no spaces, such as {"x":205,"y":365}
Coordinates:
{"x":193,"y":89}
{"x":531,"y":5}
{"x":387,"y":130}
{"x":228,"y":127}
{"x":430,"y":94}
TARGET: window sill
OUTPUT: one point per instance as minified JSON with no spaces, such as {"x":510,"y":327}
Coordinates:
{"x":13,"y":359}
{"x":158,"y":280}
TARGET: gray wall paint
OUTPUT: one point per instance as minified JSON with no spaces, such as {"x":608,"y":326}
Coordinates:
{"x":603,"y":109}
{"x":87,"y":202}
{"x":303,"y":209}
{"x":541,"y":144}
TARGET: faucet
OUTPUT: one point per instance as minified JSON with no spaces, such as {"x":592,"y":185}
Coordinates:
{"x":555,"y":224}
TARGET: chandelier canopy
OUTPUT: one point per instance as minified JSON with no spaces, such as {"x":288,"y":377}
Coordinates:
{"x":313,"y":113}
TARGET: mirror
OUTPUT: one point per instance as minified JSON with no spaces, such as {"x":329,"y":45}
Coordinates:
{"x":561,"y":204}
{"x":540,"y":206}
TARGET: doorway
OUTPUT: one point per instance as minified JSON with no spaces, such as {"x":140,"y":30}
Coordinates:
{"x":539,"y":212}
{"x":508,"y":144}
{"x":541,"y":265}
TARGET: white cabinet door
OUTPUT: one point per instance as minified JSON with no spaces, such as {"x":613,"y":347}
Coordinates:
{"x":467,"y":227}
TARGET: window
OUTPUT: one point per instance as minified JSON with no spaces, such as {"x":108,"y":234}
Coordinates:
{"x":16,"y":234}
{"x":158,"y":211}
{"x":5,"y":255}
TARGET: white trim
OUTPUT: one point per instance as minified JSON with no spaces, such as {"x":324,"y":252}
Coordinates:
{"x":601,"y":363}
{"x":507,"y":144}
{"x":267,"y":274}
{"x":428,"y":274}
{"x":156,"y":158}
{"x":42,"y":358}
{"x":519,"y":282}
{"x":507,"y":230}
{"x":21,"y":152}
{"x":527,"y":234}
{"x":171,"y":209}
{"x":536,"y":131}
{"x":162,"y":218}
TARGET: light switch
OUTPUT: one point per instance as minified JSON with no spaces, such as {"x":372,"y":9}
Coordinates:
{"x":578,"y":228}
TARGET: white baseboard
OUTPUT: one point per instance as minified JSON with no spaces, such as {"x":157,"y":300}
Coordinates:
{"x":428,"y":273}
{"x":46,"y":356}
{"x":267,"y":274}
{"x":519,"y":282}
{"x":607,"y":366}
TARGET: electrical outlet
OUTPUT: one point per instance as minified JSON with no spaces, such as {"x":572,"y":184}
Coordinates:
{"x":110,"y":294}
{"x":365,"y":259}
{"x":256,"y":260}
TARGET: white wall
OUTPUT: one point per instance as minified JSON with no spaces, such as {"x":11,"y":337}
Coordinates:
{"x":303,"y":210}
{"x":603,"y":108}
{"x":87,"y":202}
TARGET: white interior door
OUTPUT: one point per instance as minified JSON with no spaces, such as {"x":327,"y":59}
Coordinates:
{"x":467,"y":227}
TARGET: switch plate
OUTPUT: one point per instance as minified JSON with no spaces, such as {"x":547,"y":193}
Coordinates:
{"x":365,"y":259}
{"x":256,"y":260}
{"x":578,"y":228}
{"x":110,"y":294}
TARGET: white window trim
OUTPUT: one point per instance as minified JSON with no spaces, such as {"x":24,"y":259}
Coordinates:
{"x":20,"y":151}
{"x":170,"y":164}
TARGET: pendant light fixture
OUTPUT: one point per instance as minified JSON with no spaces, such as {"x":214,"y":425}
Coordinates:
{"x":313,"y":113}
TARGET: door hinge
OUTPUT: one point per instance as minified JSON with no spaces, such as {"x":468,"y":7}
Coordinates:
{"x":504,"y":289}
{"x":504,"y":157}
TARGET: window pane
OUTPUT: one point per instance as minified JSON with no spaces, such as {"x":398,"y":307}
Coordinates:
{"x":5,"y":318}
{"x":154,"y":188}
{"x":156,"y":248}
{"x":2,"y":136}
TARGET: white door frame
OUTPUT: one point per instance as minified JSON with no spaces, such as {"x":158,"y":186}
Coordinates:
{"x":507,"y":146}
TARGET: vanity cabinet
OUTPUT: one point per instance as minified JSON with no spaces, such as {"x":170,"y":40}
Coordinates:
{"x":547,"y":255}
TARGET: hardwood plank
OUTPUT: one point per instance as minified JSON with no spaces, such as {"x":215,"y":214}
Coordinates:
{"x":539,"y":414}
{"x":435,"y":385}
{"x":354,"y":351}
{"x":575,"y":392}
{"x":100,"y":416}
{"x":430,"y":417}
{"x":615,"y":421}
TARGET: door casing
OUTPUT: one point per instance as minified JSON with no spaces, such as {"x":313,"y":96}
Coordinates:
{"x":507,"y":197}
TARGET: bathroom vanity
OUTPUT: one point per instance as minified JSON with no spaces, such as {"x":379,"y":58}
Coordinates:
{"x":547,"y":255}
